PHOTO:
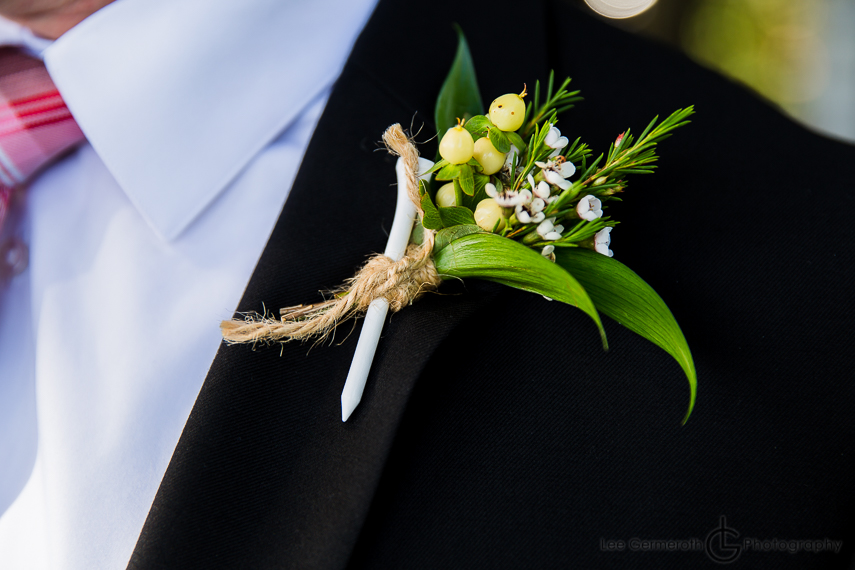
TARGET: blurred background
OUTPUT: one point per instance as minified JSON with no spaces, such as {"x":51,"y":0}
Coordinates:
{"x":799,"y":54}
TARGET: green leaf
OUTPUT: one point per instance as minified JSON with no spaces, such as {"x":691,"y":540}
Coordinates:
{"x":459,"y":96}
{"x":467,"y":183}
{"x":478,"y":126}
{"x":492,"y":257}
{"x":447,"y":235}
{"x":516,"y":140}
{"x":455,"y":216}
{"x":622,"y":295}
{"x":431,"y":220}
{"x":499,"y":140}
{"x":448,"y":172}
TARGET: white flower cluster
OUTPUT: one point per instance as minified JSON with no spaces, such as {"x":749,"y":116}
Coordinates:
{"x":530,"y":202}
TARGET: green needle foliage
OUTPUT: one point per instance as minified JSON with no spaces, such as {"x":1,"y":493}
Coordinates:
{"x":624,"y":157}
{"x":559,"y":102}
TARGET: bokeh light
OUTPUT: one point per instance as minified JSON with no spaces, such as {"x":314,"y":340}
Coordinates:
{"x":620,"y":8}
{"x":774,"y":46}
{"x":798,"y":54}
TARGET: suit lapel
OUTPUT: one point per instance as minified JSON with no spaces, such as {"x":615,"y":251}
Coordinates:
{"x":265,"y":473}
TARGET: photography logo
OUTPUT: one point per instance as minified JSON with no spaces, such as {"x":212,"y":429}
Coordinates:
{"x":723,"y":544}
{"x":718,"y":545}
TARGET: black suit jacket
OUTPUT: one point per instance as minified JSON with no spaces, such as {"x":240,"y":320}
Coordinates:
{"x":494,"y":431}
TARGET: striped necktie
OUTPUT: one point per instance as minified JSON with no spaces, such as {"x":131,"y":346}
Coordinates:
{"x":35,"y":128}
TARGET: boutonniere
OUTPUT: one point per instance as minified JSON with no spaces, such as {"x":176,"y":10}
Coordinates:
{"x":512,"y":200}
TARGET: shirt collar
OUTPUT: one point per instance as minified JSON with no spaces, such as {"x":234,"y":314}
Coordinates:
{"x":12,"y":34}
{"x":178,"y":96}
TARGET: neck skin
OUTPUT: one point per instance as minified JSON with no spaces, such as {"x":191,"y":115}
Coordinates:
{"x":49,"y":18}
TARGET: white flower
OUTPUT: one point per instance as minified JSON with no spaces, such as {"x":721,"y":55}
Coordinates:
{"x":556,"y":180}
{"x":556,"y":172}
{"x":542,"y":190}
{"x":554,"y":139}
{"x":562,"y":167}
{"x":602,"y":239}
{"x":589,"y":208}
{"x":526,"y":217}
{"x":531,"y":211}
{"x":547,"y":250}
{"x":507,"y":198}
{"x":546,"y":226}
{"x":548,"y":231}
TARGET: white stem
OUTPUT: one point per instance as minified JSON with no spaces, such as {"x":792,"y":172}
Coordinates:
{"x":399,"y":236}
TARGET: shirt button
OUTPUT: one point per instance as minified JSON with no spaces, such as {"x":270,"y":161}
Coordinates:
{"x":14,"y":257}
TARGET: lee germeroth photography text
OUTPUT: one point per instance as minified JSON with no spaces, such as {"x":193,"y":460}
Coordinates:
{"x":723,"y":544}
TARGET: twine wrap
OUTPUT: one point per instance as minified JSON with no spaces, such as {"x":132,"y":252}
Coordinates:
{"x":399,"y":282}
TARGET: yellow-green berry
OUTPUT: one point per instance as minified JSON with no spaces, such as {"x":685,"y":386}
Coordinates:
{"x":487,"y":213}
{"x":445,"y":197}
{"x":457,"y":145}
{"x":488,"y":157}
{"x":508,"y":111}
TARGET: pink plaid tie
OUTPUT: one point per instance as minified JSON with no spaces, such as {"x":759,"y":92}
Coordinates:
{"x":35,"y":128}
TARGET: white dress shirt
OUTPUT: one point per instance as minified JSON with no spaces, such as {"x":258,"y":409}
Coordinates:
{"x":197,"y":115}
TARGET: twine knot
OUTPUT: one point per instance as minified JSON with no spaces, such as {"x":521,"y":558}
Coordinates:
{"x":400,"y":283}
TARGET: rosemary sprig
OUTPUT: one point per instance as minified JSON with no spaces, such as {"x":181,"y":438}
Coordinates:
{"x":624,"y":157}
{"x":556,"y":104}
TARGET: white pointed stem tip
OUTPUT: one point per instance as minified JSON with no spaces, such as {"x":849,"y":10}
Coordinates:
{"x":399,"y":236}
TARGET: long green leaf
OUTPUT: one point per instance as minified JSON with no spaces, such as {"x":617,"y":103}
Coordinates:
{"x":459,"y":96}
{"x":447,"y":235}
{"x":492,"y":257}
{"x":622,"y":295}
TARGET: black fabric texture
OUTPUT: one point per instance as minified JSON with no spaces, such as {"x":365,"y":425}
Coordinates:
{"x":494,"y":431}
